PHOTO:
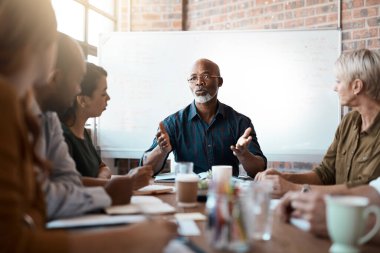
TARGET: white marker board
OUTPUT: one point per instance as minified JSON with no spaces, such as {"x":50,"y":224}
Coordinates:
{"x":282,"y":80}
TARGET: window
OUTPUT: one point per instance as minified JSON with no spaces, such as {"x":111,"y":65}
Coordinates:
{"x":98,"y":24}
{"x":85,"y":20}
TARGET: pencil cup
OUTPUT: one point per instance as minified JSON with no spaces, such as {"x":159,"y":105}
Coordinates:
{"x":226,"y":226}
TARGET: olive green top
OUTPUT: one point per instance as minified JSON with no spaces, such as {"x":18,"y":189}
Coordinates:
{"x":354,"y":156}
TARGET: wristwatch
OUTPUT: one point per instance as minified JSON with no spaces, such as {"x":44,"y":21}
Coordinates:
{"x":306,"y":188}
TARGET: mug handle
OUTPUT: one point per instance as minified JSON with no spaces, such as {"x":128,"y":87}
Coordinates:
{"x":376,"y":211}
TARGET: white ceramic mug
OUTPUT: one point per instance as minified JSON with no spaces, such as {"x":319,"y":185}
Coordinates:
{"x":221,"y":173}
{"x":347,"y":218}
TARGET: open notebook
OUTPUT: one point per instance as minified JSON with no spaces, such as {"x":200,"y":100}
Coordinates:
{"x":165,"y":178}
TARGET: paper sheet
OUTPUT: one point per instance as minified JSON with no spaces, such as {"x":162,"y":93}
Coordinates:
{"x":94,"y":220}
{"x":190,"y":216}
{"x":300,"y":223}
{"x":154,"y":189}
{"x":188,"y":228}
{"x":142,"y":204}
{"x":274,"y":203}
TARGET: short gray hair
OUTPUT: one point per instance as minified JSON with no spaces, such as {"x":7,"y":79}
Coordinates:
{"x":363,"y":64}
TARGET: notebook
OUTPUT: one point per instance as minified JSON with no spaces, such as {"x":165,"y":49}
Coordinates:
{"x":91,"y":220}
{"x":154,"y":189}
{"x":165,"y":178}
{"x":142,"y":204}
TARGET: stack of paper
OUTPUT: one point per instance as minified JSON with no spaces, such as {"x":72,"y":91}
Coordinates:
{"x":142,"y":204}
{"x":154,"y":189}
{"x":90,"y":220}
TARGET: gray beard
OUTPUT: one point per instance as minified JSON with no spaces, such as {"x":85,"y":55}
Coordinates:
{"x":203,"y":99}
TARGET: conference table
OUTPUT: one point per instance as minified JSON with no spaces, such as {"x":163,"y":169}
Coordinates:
{"x":285,"y":237}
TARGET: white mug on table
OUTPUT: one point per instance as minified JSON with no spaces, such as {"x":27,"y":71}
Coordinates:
{"x":347,"y":218}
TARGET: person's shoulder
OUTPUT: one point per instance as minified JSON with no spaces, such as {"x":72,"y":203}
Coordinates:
{"x":10,"y":106}
{"x":351,"y":117}
{"x":66,"y":131}
{"x":179,"y":115}
{"x":232,"y":114}
{"x":8,"y":96}
{"x":52,"y":117}
{"x":352,"y":114}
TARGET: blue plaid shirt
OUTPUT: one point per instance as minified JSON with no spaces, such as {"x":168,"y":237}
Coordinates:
{"x":205,"y":145}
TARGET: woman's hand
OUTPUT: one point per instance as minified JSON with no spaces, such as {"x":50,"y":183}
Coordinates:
{"x":104,"y":171}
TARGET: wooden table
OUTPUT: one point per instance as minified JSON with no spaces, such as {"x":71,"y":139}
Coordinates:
{"x":285,"y":237}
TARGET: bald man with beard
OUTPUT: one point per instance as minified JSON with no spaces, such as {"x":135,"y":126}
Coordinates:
{"x":207,"y":132}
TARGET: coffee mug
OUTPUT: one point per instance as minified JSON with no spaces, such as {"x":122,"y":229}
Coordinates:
{"x":221,"y":173}
{"x":186,"y":184}
{"x":347,"y":218}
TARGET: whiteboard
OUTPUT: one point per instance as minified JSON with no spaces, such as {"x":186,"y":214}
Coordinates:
{"x":282,"y":80}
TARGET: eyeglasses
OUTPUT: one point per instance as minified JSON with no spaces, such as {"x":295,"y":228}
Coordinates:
{"x":204,"y":77}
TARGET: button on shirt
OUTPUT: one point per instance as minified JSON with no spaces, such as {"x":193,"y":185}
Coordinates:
{"x":205,"y":145}
{"x":354,"y":156}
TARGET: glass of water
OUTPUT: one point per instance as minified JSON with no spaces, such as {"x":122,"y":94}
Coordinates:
{"x":257,"y":206}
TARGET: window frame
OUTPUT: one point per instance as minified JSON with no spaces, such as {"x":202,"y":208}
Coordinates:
{"x":89,"y":49}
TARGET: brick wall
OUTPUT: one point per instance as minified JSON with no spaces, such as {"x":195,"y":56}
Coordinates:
{"x":260,"y":14}
{"x":361,"y":24}
{"x":151,"y":15}
{"x":360,"y":19}
{"x":123,"y":16}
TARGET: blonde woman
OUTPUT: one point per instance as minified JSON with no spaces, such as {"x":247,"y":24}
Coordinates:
{"x":353,"y":158}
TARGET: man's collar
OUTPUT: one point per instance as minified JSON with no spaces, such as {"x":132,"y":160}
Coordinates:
{"x":193,"y":110}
